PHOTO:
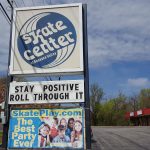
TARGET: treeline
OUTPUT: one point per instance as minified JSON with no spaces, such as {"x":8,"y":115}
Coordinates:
{"x":108,"y":112}
{"x":111,"y":112}
{"x":3,"y":86}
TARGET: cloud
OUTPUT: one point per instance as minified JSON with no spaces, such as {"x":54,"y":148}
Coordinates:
{"x":132,"y":86}
{"x":138,"y":82}
{"x":117,"y":30}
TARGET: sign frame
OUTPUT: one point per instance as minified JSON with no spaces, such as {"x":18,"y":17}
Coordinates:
{"x":52,"y":71}
{"x":24,"y":124}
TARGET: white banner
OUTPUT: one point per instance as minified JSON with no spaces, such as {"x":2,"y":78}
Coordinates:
{"x":46,"y":92}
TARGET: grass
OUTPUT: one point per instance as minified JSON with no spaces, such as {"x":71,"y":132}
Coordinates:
{"x":1,"y":134}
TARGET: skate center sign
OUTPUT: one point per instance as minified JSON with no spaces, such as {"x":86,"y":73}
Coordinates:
{"x":46,"y":92}
{"x":47,"y":40}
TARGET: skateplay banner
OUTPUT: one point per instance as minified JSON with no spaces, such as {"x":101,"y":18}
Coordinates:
{"x":46,"y":128}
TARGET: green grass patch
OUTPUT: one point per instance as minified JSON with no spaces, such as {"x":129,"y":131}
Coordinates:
{"x":1,"y":135}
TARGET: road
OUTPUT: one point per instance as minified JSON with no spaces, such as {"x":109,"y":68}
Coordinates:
{"x":121,"y":138}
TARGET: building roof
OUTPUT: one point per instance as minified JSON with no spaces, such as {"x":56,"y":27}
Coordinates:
{"x":141,"y":112}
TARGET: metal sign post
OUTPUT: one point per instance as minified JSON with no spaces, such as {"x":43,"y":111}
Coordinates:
{"x":86,"y":80}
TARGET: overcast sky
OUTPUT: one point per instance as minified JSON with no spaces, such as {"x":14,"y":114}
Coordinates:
{"x":118,"y":40}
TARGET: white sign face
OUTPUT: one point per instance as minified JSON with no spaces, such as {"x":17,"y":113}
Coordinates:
{"x":139,"y":112}
{"x":46,"y":92}
{"x":47,"y":40}
{"x":131,"y":114}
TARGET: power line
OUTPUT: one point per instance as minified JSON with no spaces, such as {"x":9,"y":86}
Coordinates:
{"x":44,"y":2}
{"x":49,"y":78}
{"x":15,"y":3}
{"x":33,"y":3}
{"x":50,"y":1}
{"x":10,"y":3}
{"x":5,"y":14}
{"x":23,"y":2}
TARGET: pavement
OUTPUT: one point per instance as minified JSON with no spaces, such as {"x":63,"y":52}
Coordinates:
{"x":121,"y":138}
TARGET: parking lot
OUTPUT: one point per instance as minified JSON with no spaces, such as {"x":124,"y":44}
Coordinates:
{"x":121,"y":138}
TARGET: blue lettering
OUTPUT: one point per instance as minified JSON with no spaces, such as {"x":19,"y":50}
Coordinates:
{"x":64,"y":113}
{"x":14,"y":113}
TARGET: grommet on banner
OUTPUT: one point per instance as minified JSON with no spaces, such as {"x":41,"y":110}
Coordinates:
{"x":2,"y":105}
{"x":3,"y":120}
{"x":2,"y":114}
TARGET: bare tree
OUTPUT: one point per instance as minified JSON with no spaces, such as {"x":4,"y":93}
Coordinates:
{"x":96,"y":94}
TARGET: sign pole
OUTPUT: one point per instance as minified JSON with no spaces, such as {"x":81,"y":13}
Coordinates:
{"x":9,"y":79}
{"x":86,"y":80}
